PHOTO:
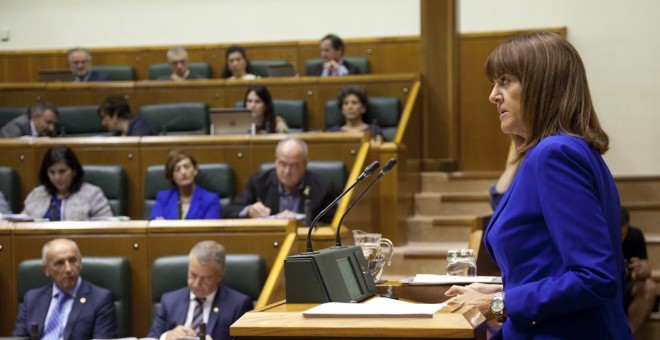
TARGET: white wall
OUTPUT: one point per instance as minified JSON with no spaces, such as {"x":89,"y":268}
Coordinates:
{"x":38,"y":24}
{"x":618,"y":40}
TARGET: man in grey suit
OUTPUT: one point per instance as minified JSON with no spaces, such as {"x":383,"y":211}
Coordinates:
{"x":177,"y":58}
{"x":41,"y":122}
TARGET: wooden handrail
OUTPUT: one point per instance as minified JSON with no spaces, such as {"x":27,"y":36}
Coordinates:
{"x":407,"y":112}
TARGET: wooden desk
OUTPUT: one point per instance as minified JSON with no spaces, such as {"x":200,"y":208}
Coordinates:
{"x":285,"y":321}
{"x":141,"y":242}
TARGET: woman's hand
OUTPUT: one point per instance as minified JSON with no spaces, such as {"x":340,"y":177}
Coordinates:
{"x":471,"y":296}
{"x":485,"y":288}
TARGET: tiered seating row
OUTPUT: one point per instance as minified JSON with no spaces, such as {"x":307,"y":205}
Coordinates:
{"x":216,"y":93}
{"x":385,"y":55}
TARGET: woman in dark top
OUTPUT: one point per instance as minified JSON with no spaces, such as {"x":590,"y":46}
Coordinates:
{"x":354,"y":106}
{"x":237,"y":65}
{"x":260,"y":103}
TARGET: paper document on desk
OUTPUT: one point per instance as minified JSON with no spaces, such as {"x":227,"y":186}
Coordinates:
{"x":376,"y":307}
{"x":433,"y":279}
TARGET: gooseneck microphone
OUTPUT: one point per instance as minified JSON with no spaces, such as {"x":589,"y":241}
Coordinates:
{"x":388,"y":166}
{"x":367,"y":171}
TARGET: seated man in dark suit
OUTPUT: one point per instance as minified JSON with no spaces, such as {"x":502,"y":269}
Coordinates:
{"x":177,"y":57}
{"x":80,"y":63}
{"x":40,"y":123}
{"x":332,"y":52}
{"x":204,"y":300}
{"x":70,"y":308}
{"x":116,"y":116}
{"x":283,"y":191}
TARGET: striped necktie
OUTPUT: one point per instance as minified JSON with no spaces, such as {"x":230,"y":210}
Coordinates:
{"x":56,"y":322}
{"x":198,"y":314}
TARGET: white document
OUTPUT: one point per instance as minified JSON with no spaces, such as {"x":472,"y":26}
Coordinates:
{"x":433,"y":279}
{"x":376,"y":307}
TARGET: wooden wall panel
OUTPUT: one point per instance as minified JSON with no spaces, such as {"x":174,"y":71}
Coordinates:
{"x":7,"y":282}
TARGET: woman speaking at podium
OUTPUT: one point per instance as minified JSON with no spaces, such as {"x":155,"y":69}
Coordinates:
{"x":556,"y":233}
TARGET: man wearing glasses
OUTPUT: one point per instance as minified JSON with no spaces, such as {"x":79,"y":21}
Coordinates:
{"x":284,"y":190}
{"x":205,"y":300}
{"x":80,"y":63}
{"x":177,"y":58}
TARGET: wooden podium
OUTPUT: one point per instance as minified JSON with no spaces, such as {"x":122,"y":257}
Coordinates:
{"x":285,"y":321}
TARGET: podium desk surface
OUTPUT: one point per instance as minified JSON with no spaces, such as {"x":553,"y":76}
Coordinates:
{"x":285,"y":321}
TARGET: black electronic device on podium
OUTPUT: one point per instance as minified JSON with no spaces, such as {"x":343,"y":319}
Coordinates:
{"x":336,"y":274}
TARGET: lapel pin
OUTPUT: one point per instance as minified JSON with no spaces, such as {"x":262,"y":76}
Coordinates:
{"x":216,"y":309}
{"x":83,"y":300}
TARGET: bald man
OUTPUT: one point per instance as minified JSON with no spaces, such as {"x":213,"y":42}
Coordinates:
{"x":70,"y":307}
{"x":282,"y":191}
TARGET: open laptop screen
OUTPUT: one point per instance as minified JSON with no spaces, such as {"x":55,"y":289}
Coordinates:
{"x":231,"y":121}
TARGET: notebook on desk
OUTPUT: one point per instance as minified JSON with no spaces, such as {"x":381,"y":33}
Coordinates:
{"x":55,"y":75}
{"x":231,"y":121}
{"x":281,"y":70}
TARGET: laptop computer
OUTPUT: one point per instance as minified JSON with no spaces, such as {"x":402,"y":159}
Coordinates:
{"x":55,"y":75}
{"x":231,"y":121}
{"x":281,"y":70}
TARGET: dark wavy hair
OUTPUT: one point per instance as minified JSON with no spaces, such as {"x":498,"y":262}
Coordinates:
{"x":226,"y":72}
{"x":115,"y":106}
{"x":555,"y":93}
{"x":58,"y":154}
{"x":360,"y":93}
{"x":269,"y":113}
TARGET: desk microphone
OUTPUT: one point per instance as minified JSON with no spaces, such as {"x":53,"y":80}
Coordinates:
{"x":367,"y":171}
{"x":388,"y":166}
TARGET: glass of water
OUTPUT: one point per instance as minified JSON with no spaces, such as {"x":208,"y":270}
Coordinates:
{"x":461,"y":262}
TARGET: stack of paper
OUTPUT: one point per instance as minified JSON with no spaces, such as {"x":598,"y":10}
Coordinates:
{"x":432,"y":279}
{"x":376,"y":307}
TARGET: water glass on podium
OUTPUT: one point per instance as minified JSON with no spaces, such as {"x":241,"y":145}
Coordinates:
{"x":461,"y":262}
{"x":372,"y":245}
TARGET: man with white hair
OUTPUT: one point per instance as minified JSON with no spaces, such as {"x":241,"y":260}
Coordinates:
{"x":177,"y":58}
{"x":70,"y":307}
{"x":204,"y":300}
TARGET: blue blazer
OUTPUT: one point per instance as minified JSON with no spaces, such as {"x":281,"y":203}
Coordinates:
{"x":228,"y":306}
{"x":93,"y":318}
{"x":556,"y":236}
{"x":204,"y":205}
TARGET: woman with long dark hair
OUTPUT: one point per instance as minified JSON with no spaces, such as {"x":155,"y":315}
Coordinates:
{"x":260,"y":103}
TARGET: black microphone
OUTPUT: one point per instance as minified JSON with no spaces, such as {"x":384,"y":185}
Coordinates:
{"x":367,"y":171}
{"x":388,"y":166}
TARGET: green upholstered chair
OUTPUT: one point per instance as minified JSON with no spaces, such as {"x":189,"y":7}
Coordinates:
{"x":335,"y":170}
{"x":214,"y":177}
{"x":293,"y":111}
{"x":260,"y":67}
{"x":77,"y":121}
{"x":9,"y":187}
{"x":158,"y":70}
{"x":117,"y":72}
{"x":361,"y":63}
{"x":112,"y":273}
{"x":9,"y":113}
{"x":178,"y":118}
{"x":245,"y":273}
{"x":386,"y":111}
{"x":112,"y":180}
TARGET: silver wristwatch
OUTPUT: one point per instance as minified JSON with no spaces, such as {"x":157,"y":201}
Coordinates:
{"x":497,"y":307}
